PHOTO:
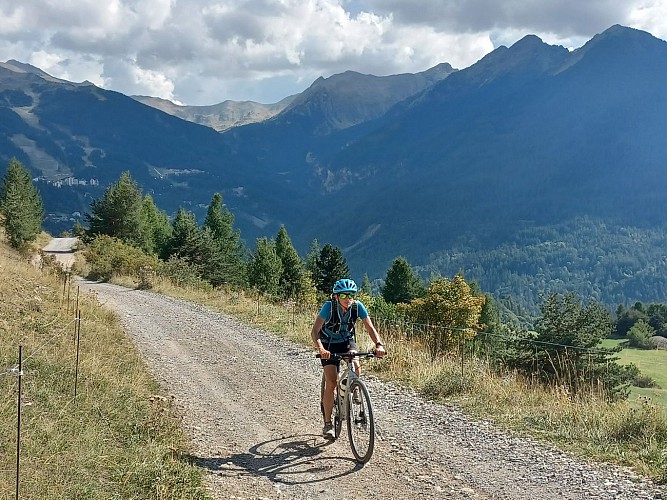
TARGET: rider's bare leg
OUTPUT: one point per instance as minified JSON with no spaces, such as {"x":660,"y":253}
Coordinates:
{"x":331,"y":376}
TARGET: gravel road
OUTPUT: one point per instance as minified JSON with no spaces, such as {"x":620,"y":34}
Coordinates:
{"x":63,"y":250}
{"x":250,"y":404}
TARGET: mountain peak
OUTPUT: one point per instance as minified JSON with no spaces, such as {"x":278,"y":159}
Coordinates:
{"x":24,"y":68}
{"x":20,"y":67}
{"x":529,"y":53}
{"x":532,"y":46}
{"x":528,"y":41}
{"x":621,"y":45}
{"x":620,"y":33}
{"x":350,"y":98}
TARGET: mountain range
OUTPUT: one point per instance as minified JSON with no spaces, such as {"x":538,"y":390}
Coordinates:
{"x":428,"y":166}
{"x":221,"y":116}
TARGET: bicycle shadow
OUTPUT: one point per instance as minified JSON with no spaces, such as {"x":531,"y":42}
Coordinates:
{"x":285,"y":460}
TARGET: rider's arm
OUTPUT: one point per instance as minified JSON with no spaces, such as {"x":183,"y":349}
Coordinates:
{"x":375,"y":336}
{"x":315,"y":333}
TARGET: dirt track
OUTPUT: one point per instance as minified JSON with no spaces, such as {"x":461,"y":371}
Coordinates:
{"x":63,"y":250}
{"x":250,"y":403}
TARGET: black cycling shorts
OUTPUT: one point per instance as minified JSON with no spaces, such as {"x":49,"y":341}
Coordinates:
{"x":337,"y":348}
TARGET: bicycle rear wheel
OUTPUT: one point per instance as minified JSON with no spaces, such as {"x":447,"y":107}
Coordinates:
{"x":322,"y":384}
{"x":337,"y":415}
{"x":360,"y":422}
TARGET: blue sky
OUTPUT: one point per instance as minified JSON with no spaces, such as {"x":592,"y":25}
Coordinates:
{"x":201,"y":52}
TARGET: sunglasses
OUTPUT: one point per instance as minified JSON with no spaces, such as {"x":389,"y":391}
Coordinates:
{"x":346,"y":295}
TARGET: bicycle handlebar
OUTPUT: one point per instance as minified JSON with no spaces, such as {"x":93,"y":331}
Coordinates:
{"x":348,"y":356}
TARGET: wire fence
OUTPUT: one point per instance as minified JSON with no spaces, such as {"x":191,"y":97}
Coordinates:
{"x":572,"y":369}
{"x":415,"y":330}
{"x":20,"y":369}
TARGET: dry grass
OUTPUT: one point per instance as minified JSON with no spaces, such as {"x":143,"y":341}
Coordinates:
{"x":623,"y":432}
{"x":118,"y":438}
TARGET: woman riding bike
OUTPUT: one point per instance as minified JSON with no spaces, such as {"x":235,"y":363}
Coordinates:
{"x":333,"y":332}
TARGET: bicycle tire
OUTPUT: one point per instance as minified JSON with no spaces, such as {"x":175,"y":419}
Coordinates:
{"x":360,"y":423}
{"x":322,"y":384}
{"x":337,"y":414}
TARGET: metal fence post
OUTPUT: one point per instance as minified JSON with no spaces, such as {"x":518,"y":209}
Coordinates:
{"x":78,"y":343}
{"x":18,"y":423}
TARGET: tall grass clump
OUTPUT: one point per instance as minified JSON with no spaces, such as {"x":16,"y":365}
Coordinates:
{"x":119,"y":437}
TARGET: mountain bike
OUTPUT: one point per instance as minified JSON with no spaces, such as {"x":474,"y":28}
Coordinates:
{"x":352,"y":403}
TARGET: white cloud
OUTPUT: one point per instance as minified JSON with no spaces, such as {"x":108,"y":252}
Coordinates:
{"x":650,"y":16}
{"x":206,"y":51}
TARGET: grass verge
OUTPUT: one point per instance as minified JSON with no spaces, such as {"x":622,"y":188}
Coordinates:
{"x":118,"y":438}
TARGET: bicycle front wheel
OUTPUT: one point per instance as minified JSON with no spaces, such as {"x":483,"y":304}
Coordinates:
{"x":360,"y":422}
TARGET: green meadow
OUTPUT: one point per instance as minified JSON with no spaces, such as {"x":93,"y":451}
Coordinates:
{"x":652,"y":363}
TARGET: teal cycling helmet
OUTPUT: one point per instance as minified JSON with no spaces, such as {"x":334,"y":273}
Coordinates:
{"x":345,"y":286}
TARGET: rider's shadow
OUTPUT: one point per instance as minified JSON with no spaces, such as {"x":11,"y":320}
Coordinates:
{"x":285,"y":460}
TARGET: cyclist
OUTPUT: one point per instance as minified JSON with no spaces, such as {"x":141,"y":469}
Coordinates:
{"x":333,"y":332}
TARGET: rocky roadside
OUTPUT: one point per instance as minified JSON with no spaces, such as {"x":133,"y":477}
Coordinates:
{"x":249,"y":401}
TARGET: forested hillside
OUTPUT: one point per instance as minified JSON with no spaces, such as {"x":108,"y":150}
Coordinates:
{"x":616,"y":265}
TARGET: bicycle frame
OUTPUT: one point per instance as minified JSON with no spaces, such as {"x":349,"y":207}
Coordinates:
{"x":346,"y":373}
{"x":341,"y":399}
{"x":356,"y":411}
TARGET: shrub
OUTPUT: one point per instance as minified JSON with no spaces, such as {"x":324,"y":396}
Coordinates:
{"x":640,"y":335}
{"x":644,"y":381}
{"x":108,"y":256}
{"x":445,"y":384}
{"x":183,"y":273}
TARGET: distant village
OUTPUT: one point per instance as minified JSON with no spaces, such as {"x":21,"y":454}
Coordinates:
{"x":67,"y":181}
{"x":62,"y":221}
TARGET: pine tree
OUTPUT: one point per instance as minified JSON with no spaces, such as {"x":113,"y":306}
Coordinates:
{"x":311,"y":260}
{"x":291,"y":284}
{"x":331,"y":266}
{"x":265,"y":268}
{"x":183,"y":234}
{"x":155,"y":226}
{"x":366,"y":286}
{"x":401,"y":284}
{"x":220,"y":221}
{"x":570,"y":334}
{"x":196,"y":246}
{"x":21,"y":205}
{"x":118,"y":212}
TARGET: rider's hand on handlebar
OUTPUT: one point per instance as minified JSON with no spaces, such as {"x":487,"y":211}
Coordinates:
{"x":324,"y":354}
{"x":380,"y":351}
